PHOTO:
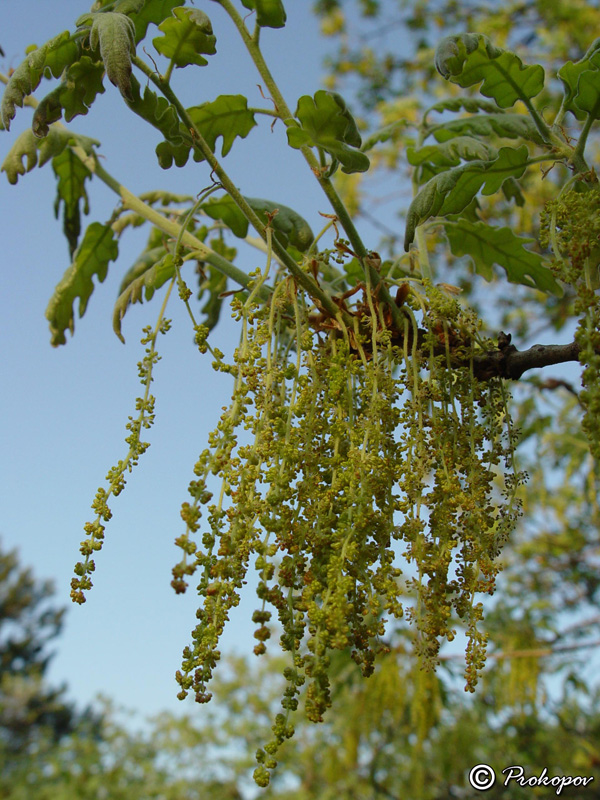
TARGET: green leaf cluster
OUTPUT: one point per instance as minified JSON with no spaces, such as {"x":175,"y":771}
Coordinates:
{"x":451,"y":191}
{"x":49,"y":60}
{"x":74,"y":95}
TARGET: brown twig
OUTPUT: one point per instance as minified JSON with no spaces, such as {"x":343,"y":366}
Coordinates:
{"x":508,"y":362}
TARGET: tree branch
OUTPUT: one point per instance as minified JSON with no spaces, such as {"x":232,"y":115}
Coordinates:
{"x":508,"y":362}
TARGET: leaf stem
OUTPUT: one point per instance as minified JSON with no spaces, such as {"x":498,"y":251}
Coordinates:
{"x":424,"y":264}
{"x":578,"y":158}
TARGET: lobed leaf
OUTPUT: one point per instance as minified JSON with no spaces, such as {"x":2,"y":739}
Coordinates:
{"x":507,"y":126}
{"x":587,"y":97}
{"x":155,"y":110}
{"x":450,"y":192}
{"x":471,"y":104}
{"x":98,"y":247}
{"x":451,"y":152}
{"x":153,"y":11}
{"x":27,"y":145}
{"x":228,"y":117}
{"x":470,"y":58}
{"x":114,"y":35}
{"x":129,"y":7}
{"x":570,"y":73}
{"x":146,"y":276}
{"x":290,"y":228}
{"x":75,"y":95}
{"x":384,"y":134}
{"x":71,"y":176}
{"x":48,"y":60}
{"x":325,"y":122}
{"x":269,"y":13}
{"x":487,"y":245}
{"x":186,"y":34}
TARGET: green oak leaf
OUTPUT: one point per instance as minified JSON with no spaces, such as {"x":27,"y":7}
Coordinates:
{"x":451,"y":153}
{"x":587,"y":97}
{"x":290,"y":228}
{"x":48,"y":60}
{"x":470,"y":58}
{"x":215,"y":284}
{"x":512,"y":191}
{"x":71,"y":176}
{"x":488,"y":245}
{"x":186,"y":34}
{"x":384,"y":134}
{"x":155,"y":110}
{"x":269,"y":13}
{"x":471,"y":104}
{"x":325,"y":122}
{"x":27,"y":145}
{"x":451,"y":191}
{"x":153,"y":11}
{"x":129,"y":7}
{"x":152,"y":253}
{"x":224,"y":209}
{"x":228,"y":117}
{"x":168,"y":152}
{"x":504,"y":125}
{"x":148,"y":274}
{"x":114,"y":35}
{"x":570,"y":73}
{"x":75,"y":95}
{"x":98,"y":247}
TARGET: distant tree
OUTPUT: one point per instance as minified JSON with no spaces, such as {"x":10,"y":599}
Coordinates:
{"x":49,"y":750}
{"x":29,"y":708}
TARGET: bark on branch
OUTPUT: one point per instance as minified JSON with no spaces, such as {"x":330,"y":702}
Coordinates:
{"x":508,"y":362}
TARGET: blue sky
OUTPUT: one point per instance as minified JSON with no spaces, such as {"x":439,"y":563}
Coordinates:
{"x":63,"y":411}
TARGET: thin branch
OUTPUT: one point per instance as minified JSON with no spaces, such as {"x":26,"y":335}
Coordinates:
{"x":534,"y":652}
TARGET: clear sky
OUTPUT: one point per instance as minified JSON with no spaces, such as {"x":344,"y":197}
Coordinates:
{"x":63,"y":411}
